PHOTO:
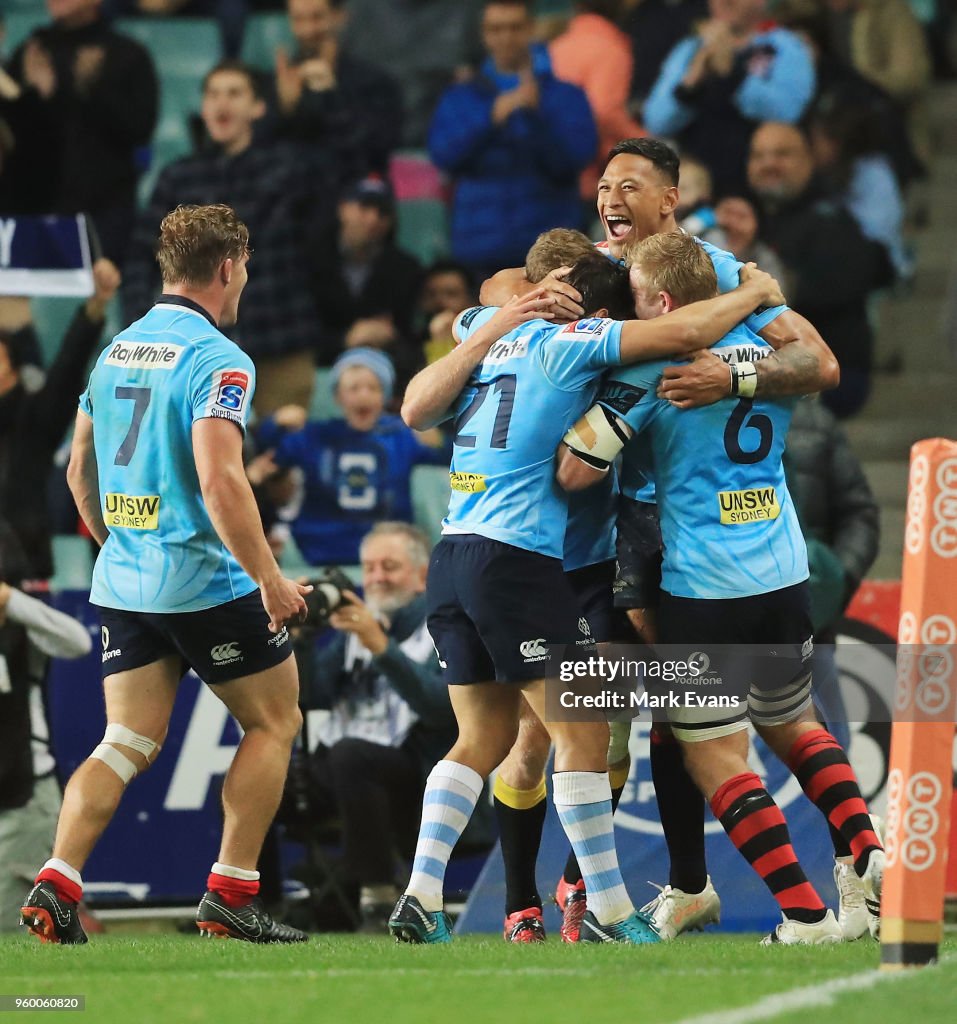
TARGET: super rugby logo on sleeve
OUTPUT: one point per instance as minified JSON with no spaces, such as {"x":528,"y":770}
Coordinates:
{"x":590,"y":328}
{"x":228,"y":394}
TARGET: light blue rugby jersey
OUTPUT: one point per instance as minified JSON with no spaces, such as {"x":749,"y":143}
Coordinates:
{"x":513,"y":412}
{"x":640,"y":485}
{"x":728,"y":524}
{"x":149,"y":385}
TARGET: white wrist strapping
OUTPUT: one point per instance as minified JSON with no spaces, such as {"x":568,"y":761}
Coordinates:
{"x":744,"y":379}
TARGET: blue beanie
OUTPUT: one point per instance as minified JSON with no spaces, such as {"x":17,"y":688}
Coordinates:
{"x":372,"y":359}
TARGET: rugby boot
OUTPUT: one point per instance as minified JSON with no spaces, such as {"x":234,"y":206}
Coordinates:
{"x":50,"y":918}
{"x":250,"y":922}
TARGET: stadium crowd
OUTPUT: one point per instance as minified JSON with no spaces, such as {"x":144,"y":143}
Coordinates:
{"x":803,"y":131}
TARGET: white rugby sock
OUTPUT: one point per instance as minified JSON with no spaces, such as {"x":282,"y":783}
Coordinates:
{"x":583,"y":802}
{"x":55,"y":864}
{"x":451,"y":793}
{"x":228,"y":871}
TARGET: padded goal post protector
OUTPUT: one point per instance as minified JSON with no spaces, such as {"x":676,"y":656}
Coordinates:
{"x":920,"y":782}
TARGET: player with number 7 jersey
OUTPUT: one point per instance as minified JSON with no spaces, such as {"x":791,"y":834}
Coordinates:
{"x":150,"y":384}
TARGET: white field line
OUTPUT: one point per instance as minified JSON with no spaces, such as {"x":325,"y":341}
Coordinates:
{"x":808,"y":997}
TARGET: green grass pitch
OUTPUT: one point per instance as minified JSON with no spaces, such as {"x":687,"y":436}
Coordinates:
{"x":166,"y":979}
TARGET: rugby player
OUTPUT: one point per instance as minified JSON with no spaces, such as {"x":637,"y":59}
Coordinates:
{"x":497,"y":597}
{"x":588,"y":559}
{"x":637,"y":198}
{"x":185,"y":577}
{"x":734,"y":574}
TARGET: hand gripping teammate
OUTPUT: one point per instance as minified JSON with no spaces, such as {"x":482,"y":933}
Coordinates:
{"x":734,"y":584}
{"x":637,"y":198}
{"x":184,"y":578}
{"x":497,"y":596}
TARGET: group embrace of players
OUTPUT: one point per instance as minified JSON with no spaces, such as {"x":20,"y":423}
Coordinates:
{"x":555,"y":383}
{"x":527,"y":564}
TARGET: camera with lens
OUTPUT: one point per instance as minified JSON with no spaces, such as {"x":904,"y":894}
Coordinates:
{"x":328,"y":586}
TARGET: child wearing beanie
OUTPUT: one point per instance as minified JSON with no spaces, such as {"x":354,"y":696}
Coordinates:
{"x":341,"y":476}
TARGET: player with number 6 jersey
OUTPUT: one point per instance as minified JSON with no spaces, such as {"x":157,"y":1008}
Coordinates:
{"x":733,"y":586}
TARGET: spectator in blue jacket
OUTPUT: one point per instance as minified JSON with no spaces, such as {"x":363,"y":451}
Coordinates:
{"x":514,"y":139}
{"x":719,"y":84}
{"x":351,"y":472}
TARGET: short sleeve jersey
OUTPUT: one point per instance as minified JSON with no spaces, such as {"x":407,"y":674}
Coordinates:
{"x":728,"y":524}
{"x":529,"y":389}
{"x":641,"y":484}
{"x":150,"y":384}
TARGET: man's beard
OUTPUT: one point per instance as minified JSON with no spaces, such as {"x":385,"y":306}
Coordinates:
{"x":388,"y":603}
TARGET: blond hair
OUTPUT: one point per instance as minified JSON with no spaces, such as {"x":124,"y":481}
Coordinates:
{"x":195,"y":240}
{"x":560,"y":247}
{"x":674,"y":263}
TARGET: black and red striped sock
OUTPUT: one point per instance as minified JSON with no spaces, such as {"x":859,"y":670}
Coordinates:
{"x":826,"y":776}
{"x":756,"y":826}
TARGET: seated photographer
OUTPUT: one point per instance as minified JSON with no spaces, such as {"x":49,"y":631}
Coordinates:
{"x":389,"y":718}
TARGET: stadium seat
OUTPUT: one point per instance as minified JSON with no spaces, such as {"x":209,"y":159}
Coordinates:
{"x":430,"y":498}
{"x":414,"y":176}
{"x":19,"y":24}
{"x":187,"y":47}
{"x":72,"y":563}
{"x":264,"y":33}
{"x":423,"y":229}
{"x":323,"y":405}
{"x":51,"y":317}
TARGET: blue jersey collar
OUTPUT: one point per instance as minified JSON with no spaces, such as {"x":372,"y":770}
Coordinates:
{"x":179,"y":300}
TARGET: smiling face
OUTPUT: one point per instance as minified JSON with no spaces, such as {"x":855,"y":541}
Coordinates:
{"x":359,"y":393}
{"x":391,"y":577}
{"x":634,"y":201}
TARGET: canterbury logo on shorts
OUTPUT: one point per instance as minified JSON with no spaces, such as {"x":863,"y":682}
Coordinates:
{"x":533,"y":650}
{"x":224,"y":654}
{"x":751,"y":506}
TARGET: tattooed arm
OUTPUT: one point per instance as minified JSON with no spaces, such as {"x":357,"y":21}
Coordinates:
{"x":801,"y":364}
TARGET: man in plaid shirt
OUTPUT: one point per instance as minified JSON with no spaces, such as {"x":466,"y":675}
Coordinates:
{"x":275,"y":190}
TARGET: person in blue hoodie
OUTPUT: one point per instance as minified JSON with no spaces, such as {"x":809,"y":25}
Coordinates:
{"x":352,"y":472}
{"x":718,"y":84}
{"x":514,"y":139}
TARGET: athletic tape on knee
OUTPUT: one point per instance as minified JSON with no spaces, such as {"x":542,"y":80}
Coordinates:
{"x":619,"y":733}
{"x":112,"y":758}
{"x":120,"y":734}
{"x":597,"y":437}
